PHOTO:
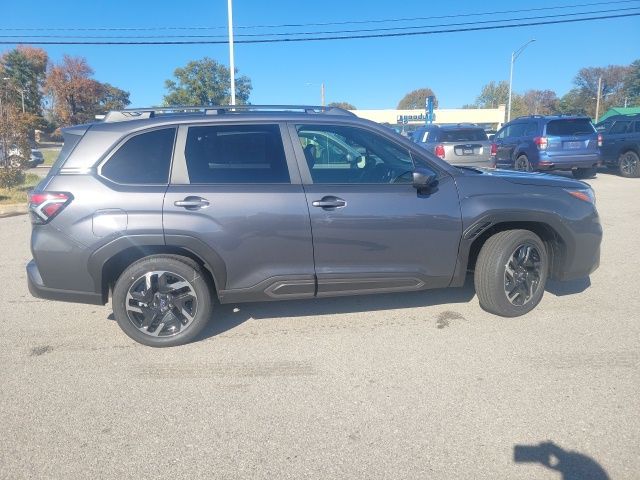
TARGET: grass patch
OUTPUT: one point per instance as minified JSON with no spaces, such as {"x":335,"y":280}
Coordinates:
{"x":19,"y":194}
{"x":50,"y":155}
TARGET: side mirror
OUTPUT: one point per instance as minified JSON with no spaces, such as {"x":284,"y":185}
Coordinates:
{"x":423,"y":178}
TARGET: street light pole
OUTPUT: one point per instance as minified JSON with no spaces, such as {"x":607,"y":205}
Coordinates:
{"x":322,"y":93}
{"x":514,"y":55}
{"x":232,"y":66}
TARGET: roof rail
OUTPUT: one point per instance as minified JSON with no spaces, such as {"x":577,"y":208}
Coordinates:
{"x":143,"y":113}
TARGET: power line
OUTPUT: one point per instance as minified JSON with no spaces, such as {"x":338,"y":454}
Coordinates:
{"x":330,"y":32}
{"x":294,"y":25}
{"x":314,"y":39}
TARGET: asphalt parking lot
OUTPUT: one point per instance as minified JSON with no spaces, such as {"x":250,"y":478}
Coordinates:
{"x":399,"y":386}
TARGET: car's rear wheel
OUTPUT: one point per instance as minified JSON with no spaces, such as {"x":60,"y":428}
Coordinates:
{"x":162,"y":301}
{"x":629,"y":164}
{"x":522,"y":164}
{"x":511,"y":273}
{"x":583,"y":173}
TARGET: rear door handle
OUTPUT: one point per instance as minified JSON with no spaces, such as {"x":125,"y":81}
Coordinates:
{"x":329,"y":203}
{"x":192,"y":203}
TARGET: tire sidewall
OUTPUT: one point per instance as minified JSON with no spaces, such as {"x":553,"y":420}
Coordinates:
{"x":505,"y":307}
{"x":525,"y":161}
{"x":637,"y":169}
{"x":192,"y":275}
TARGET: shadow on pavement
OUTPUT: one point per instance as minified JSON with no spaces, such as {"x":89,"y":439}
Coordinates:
{"x":229,"y":316}
{"x":560,"y":289}
{"x":572,"y":465}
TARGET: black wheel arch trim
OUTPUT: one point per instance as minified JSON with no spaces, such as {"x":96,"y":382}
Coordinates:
{"x":152,"y":244}
{"x":486,"y":222}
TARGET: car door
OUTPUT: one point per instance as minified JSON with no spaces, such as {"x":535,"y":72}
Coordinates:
{"x":504,"y":147}
{"x":613,"y":140}
{"x":236,"y":196}
{"x":372,"y":230}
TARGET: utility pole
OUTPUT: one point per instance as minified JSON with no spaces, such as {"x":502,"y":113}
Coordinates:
{"x":515,"y":54}
{"x":232,"y":66}
{"x":598,"y":98}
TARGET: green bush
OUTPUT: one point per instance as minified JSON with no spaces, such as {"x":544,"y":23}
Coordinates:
{"x":11,"y":177}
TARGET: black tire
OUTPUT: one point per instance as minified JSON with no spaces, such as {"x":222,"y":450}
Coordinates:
{"x":584,"y":173}
{"x":522,"y":164}
{"x":629,"y":164}
{"x":491,"y":276}
{"x":179,"y":314}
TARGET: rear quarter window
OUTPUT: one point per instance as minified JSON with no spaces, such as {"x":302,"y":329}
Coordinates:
{"x":620,"y":127}
{"x":143,"y":159}
{"x":570,"y":127}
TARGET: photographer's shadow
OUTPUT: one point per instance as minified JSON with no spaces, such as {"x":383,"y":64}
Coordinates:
{"x":572,"y":465}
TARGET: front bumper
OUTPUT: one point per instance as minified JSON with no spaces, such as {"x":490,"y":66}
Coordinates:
{"x":39,"y":290}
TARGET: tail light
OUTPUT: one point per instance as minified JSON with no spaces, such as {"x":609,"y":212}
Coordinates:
{"x":46,"y":205}
{"x":599,"y":140}
{"x":494,"y":149}
{"x":439,"y":151}
{"x":541,"y":142}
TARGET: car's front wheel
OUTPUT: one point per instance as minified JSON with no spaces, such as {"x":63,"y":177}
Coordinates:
{"x":629,"y":164}
{"x":162,"y":301}
{"x":511,"y":273}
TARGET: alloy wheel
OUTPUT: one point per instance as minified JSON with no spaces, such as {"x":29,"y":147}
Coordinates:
{"x":161,"y":303}
{"x":629,"y":164}
{"x":522,"y":274}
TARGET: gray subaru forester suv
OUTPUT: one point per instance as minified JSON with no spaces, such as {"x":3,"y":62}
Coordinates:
{"x":168,"y":210}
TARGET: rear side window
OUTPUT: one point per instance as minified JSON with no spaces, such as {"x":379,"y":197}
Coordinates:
{"x":463,"y":135}
{"x":530,"y":129}
{"x":143,"y":159}
{"x":619,"y":127}
{"x":570,"y":127}
{"x":236,"y":154}
{"x":516,"y":130}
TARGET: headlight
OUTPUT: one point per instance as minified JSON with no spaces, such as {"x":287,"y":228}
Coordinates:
{"x":584,"y":194}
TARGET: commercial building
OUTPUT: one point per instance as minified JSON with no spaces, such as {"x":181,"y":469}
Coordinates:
{"x":492,"y":118}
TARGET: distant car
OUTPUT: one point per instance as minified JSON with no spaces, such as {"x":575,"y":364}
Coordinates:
{"x":621,"y":144}
{"x":460,"y":144}
{"x":14,"y":157}
{"x":545,"y":143}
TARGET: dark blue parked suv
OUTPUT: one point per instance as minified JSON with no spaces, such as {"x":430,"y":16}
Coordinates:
{"x":541,"y":142}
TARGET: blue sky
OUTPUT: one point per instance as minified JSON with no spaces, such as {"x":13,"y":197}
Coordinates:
{"x":369,"y":73}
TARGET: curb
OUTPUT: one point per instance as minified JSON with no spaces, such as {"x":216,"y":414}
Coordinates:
{"x":12,"y":210}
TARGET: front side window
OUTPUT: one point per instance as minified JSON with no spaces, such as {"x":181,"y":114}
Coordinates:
{"x":339,"y":154}
{"x":143,"y":159}
{"x":236,"y":154}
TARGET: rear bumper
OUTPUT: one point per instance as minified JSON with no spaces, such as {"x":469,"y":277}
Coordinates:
{"x":567,"y":162}
{"x":39,"y":290}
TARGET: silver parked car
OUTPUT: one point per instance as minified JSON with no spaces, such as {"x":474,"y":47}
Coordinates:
{"x":459,"y":144}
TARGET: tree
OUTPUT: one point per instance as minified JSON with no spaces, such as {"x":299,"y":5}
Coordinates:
{"x":205,"y":82}
{"x":540,"y":102}
{"x":613,"y":84}
{"x":416,"y":99}
{"x":345,"y":105}
{"x":493,"y":94}
{"x":78,"y":98}
{"x":632,"y":84}
{"x":575,"y":103}
{"x":22,"y":73}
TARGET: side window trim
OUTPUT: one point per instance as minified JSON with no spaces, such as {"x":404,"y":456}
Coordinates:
{"x":180,"y":172}
{"x":116,"y":147}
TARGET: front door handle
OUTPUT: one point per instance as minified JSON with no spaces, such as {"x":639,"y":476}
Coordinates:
{"x":192,"y":203}
{"x":329,"y":202}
